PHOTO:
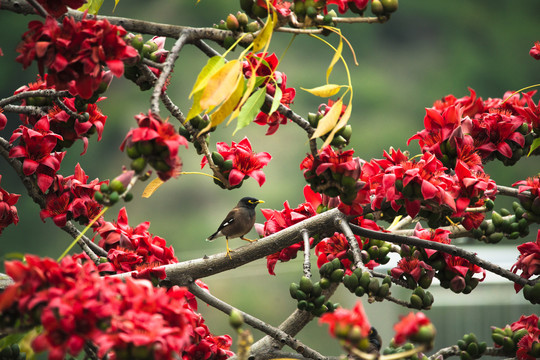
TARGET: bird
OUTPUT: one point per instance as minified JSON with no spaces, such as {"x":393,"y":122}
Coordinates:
{"x":238,"y":221}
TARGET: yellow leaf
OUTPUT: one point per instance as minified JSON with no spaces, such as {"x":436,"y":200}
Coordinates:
{"x":221,"y":84}
{"x":342,"y":122}
{"x":227,"y":107}
{"x":249,"y":88}
{"x":337,"y":56}
{"x":263,"y":38}
{"x":328,"y":122}
{"x":213,"y":65}
{"x":152,"y":187}
{"x":196,"y":108}
{"x":324,"y":90}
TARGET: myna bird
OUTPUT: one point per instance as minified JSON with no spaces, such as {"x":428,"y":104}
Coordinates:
{"x":238,"y":221}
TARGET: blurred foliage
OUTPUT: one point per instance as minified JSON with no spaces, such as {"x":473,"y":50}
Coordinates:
{"x":427,"y":50}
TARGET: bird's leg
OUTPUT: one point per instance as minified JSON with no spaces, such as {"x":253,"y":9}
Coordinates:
{"x":246,"y":239}
{"x":228,"y":250}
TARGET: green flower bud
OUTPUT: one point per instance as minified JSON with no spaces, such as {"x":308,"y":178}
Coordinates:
{"x":232,"y":22}
{"x":306,"y":285}
{"x":236,"y":319}
{"x":377,"y":8}
{"x":390,"y":5}
{"x":293,"y":288}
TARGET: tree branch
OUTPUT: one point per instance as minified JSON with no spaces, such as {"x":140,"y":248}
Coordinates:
{"x":449,"y":249}
{"x":184,"y":273}
{"x":275,"y":333}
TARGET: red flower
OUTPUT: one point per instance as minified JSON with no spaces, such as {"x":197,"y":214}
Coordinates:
{"x":157,"y":141}
{"x":3,"y":120}
{"x":531,"y":184}
{"x":412,"y":267}
{"x":279,"y":220}
{"x":35,"y":147}
{"x":287,"y":96}
{"x":8,"y":211}
{"x":75,"y":52}
{"x":343,"y":5}
{"x":132,"y":248}
{"x":245,"y":162}
{"x":409,"y":327}
{"x":58,"y":8}
{"x":528,"y":261}
{"x":351,"y":326}
{"x":535,"y":50}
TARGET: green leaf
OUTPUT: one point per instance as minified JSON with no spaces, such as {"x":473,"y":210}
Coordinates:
{"x":535,"y":145}
{"x":93,"y":6}
{"x":277,"y":100}
{"x":250,"y":109}
{"x":213,"y":65}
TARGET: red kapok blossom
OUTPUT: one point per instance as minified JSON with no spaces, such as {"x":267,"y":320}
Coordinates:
{"x":35,"y":147}
{"x":58,"y":8}
{"x":245,"y":162}
{"x":3,"y":120}
{"x":535,"y":50}
{"x":8,"y":211}
{"x":75,"y":52}
{"x":409,"y":326}
{"x":157,"y":141}
{"x":279,"y":220}
{"x":132,"y":248}
{"x":343,"y":323}
{"x":528,"y":260}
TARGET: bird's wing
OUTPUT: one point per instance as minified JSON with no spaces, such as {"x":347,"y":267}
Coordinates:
{"x":229,"y":219}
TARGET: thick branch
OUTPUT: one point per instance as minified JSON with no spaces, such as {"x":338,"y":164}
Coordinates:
{"x":275,"y":333}
{"x":185,"y":272}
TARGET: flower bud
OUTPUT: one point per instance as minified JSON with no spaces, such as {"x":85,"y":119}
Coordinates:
{"x":236,"y":319}
{"x":232,"y":22}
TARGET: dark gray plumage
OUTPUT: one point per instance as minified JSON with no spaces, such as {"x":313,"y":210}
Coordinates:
{"x":238,"y":221}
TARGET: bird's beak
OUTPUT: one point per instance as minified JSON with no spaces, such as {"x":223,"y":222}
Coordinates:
{"x":260,"y":201}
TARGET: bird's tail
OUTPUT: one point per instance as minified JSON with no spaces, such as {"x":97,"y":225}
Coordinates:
{"x":211,"y":237}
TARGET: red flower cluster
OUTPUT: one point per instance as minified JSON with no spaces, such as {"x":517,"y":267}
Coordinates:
{"x":337,"y":246}
{"x":415,"y":327}
{"x":337,"y":174}
{"x":453,"y":272}
{"x":72,"y":198}
{"x":126,"y":320}
{"x":279,"y":220}
{"x":264,"y":66}
{"x":351,"y":326}
{"x":133,"y":248}
{"x":58,"y":8}
{"x":528,"y":347}
{"x":244,"y":162}
{"x":8,"y":211}
{"x":426,"y":188}
{"x":155,"y":141}
{"x":36,"y":148}
{"x":528,"y":261}
{"x":468,"y":127}
{"x":75,"y":52}
{"x":60,"y":121}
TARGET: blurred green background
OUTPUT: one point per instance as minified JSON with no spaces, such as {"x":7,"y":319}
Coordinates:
{"x":427,"y":50}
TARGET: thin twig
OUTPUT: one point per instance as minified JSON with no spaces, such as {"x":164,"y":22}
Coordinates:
{"x":167,"y":69}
